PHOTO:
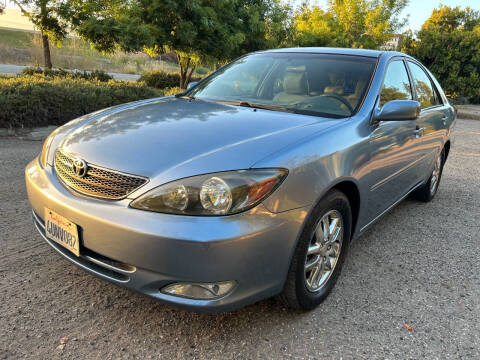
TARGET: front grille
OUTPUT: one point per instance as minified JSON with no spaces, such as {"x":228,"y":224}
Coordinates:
{"x":97,"y":182}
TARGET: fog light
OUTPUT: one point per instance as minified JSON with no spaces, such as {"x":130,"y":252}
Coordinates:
{"x":200,"y":291}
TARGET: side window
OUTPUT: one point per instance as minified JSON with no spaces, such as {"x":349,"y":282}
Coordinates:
{"x":427,"y":96}
{"x":396,"y":85}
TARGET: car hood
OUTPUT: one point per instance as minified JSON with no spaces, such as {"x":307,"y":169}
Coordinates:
{"x":178,"y":137}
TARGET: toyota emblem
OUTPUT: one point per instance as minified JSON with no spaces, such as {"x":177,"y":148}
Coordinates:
{"x":80,"y":167}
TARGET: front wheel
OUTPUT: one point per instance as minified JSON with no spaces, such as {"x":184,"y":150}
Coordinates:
{"x":320,"y":252}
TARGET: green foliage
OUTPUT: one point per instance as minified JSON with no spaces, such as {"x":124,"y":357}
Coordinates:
{"x":265,"y":24}
{"x":449,"y":45}
{"x":348,"y":23}
{"x":197,"y":31}
{"x":162,"y":80}
{"x":108,"y":25}
{"x":202,"y":71}
{"x":316,"y":27}
{"x":447,"y":19}
{"x":37,"y":100}
{"x":96,"y":75}
{"x":44,"y":14}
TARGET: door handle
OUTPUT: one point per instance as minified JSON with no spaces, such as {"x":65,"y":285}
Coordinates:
{"x":444,"y":120}
{"x":419,"y":132}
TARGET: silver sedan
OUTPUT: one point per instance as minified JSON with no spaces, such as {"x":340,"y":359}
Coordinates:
{"x":252,"y":183}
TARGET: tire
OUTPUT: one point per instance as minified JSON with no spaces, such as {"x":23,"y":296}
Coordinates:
{"x":428,"y":191}
{"x":300,"y":291}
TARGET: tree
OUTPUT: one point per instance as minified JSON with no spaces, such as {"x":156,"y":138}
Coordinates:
{"x":349,"y":23}
{"x":196,"y":30}
{"x":202,"y":30}
{"x":316,"y":27}
{"x":44,"y":14}
{"x":449,"y":45}
{"x":448,"y":19}
{"x":107,"y":25}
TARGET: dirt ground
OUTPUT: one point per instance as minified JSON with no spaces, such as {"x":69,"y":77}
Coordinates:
{"x":418,"y":267}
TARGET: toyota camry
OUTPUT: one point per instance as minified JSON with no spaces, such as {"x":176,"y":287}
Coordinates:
{"x":249,"y":184}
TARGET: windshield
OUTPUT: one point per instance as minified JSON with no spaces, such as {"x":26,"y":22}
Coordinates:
{"x":316,"y":84}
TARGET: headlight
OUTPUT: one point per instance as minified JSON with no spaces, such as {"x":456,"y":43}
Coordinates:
{"x":46,"y":148}
{"x":222,"y":193}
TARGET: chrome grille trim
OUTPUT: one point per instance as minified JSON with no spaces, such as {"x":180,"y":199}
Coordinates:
{"x":98,"y":182}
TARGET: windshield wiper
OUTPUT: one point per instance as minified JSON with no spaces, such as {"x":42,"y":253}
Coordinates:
{"x":183,"y":96}
{"x":259,"y":106}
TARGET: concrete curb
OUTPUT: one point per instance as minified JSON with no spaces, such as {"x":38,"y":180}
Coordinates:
{"x":470,"y":112}
{"x":34,"y":134}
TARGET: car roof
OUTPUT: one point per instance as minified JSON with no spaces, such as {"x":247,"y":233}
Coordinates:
{"x":339,"y":51}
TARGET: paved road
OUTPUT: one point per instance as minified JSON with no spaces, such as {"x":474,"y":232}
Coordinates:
{"x":419,"y":265}
{"x":17,"y":69}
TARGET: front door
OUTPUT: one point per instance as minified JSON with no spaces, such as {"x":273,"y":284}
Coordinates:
{"x":392,"y":147}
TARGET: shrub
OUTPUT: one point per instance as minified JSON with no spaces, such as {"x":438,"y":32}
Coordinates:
{"x":172,"y":91}
{"x":202,"y":71}
{"x":162,"y":79}
{"x":39,"y":100}
{"x":93,"y":75}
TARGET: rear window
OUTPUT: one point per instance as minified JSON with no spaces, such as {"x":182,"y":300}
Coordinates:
{"x":426,"y":94}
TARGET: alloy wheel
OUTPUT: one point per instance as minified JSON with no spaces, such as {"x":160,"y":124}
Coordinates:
{"x":323,"y":250}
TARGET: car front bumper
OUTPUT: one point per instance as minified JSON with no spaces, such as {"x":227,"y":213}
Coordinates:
{"x":145,"y":251}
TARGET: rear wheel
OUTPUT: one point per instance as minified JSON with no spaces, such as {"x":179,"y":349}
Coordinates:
{"x":320,"y":252}
{"x":427,"y":192}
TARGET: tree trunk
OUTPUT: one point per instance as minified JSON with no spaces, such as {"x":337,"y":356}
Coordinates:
{"x":46,"y":52}
{"x":184,"y":75}
{"x":189,"y":76}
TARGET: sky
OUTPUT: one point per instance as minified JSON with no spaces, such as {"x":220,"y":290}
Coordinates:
{"x":417,"y":10}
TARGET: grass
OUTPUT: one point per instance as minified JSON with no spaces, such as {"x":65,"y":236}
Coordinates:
{"x":25,"y":48}
{"x":16,"y":38}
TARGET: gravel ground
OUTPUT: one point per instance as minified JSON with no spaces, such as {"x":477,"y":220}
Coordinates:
{"x":418,"y":266}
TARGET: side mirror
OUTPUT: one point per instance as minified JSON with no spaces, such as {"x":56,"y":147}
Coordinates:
{"x":191,"y":84}
{"x":398,"y":110}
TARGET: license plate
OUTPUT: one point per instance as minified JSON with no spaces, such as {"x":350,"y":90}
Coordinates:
{"x":62,"y":231}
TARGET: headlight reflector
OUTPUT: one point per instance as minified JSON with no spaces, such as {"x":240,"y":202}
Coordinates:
{"x":220,"y":193}
{"x":216,"y":196}
{"x":176,"y":197}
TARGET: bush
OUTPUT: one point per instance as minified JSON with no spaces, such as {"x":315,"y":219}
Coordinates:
{"x":98,"y":75}
{"x":172,"y":91}
{"x":162,"y":79}
{"x":202,"y":71}
{"x":39,"y":100}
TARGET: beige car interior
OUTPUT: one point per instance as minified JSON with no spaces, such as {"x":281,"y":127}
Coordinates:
{"x":297,"y":87}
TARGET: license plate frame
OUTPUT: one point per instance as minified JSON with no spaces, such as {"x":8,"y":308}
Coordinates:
{"x":63,"y":231}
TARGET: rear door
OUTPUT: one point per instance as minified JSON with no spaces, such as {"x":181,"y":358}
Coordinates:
{"x":392,"y":146}
{"x":433,"y":119}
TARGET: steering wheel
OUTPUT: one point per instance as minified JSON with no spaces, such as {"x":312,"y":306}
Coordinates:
{"x":340,"y":99}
